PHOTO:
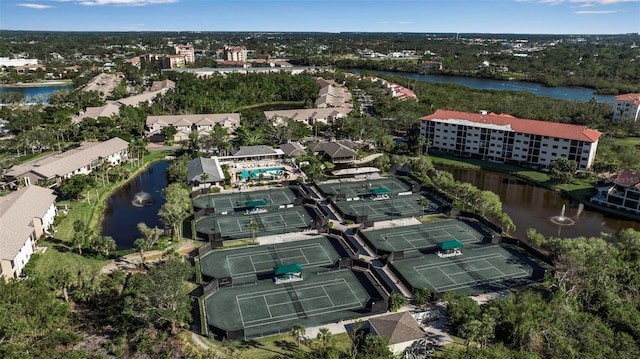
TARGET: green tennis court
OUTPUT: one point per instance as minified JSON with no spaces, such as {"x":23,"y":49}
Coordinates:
{"x":376,"y":210}
{"x":264,"y":307}
{"x":274,"y":221}
{"x":424,"y":235}
{"x":247,"y":261}
{"x":229,"y":202}
{"x":352,"y":189}
{"x":480,"y":268}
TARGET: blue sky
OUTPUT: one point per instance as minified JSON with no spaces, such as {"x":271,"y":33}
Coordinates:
{"x":483,"y":16}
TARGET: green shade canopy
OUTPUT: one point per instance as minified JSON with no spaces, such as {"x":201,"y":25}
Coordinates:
{"x":287,"y":269}
{"x":256,"y":203}
{"x":453,"y":244}
{"x":380,"y":190}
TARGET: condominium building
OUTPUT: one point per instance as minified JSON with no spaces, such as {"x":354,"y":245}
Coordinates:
{"x":25,"y":215}
{"x":235,"y":53}
{"x":185,"y":124}
{"x":627,"y":107}
{"x":187,"y":52}
{"x":621,"y":191}
{"x":508,"y":139}
{"x":52,"y":169}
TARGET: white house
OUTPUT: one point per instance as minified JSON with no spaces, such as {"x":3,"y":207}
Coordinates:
{"x":25,"y":215}
{"x":81,"y":160}
{"x":184,"y":124}
{"x":508,"y":139}
{"x":627,"y":107}
{"x":308,"y":116}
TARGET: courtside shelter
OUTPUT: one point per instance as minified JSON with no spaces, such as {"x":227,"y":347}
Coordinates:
{"x":450,"y":248}
{"x":287,"y":273}
{"x":241,"y":300}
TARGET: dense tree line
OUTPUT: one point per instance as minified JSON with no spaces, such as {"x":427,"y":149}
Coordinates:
{"x":588,"y":307}
{"x":95,"y":315}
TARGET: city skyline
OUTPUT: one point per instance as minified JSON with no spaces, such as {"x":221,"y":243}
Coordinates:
{"x":415,"y":16}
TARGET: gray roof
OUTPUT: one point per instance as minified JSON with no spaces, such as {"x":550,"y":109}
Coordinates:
{"x":334,"y":149}
{"x":17,"y":211}
{"x":198,"y":166}
{"x":293,"y":149}
{"x":398,"y":327}
{"x":260,"y":150}
{"x":159,"y":85}
{"x":64,"y":163}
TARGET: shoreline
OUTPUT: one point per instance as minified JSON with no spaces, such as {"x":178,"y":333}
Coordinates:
{"x":575,"y":194}
{"x":38,"y":84}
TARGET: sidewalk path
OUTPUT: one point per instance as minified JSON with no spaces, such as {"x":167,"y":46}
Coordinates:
{"x":132,"y":261}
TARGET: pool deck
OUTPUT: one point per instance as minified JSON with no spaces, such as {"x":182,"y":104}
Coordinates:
{"x":238,"y":167}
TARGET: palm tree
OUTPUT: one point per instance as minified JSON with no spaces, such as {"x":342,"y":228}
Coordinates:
{"x":298,"y":331}
{"x":204,"y":177}
{"x":61,"y":278}
{"x":324,"y":336}
{"x":253,"y":226}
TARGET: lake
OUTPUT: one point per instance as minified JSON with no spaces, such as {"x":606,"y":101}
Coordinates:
{"x":561,"y":92}
{"x":531,"y":206}
{"x":36,"y":94}
{"x":121,"y":216}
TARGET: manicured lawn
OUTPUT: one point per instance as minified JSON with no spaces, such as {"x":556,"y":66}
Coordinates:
{"x":59,"y":255}
{"x":285,"y":345}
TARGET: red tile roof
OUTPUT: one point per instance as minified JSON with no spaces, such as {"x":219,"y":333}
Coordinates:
{"x":533,"y":127}
{"x":629,"y":97}
{"x":626,"y":178}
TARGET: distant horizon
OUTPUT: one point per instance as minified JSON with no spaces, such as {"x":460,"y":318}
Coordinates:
{"x":326,"y":32}
{"x":518,"y":17}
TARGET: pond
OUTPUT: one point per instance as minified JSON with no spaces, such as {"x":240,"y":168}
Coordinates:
{"x":531,"y":206}
{"x":137,"y":201}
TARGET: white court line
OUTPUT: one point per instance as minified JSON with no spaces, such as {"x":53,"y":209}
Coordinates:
{"x":426,"y":280}
{"x":484,"y":280}
{"x":496,"y":268}
{"x":264,"y":297}
{"x":302,"y":286}
{"x":475,"y":270}
{"x":305,"y":257}
{"x":320,"y":310}
{"x":473,"y":259}
{"x":450,"y":279}
{"x":351,"y":290}
{"x":328,"y":296}
{"x":240,"y":310}
{"x":309,"y":313}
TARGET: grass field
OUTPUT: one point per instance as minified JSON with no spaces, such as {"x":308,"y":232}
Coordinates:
{"x":59,"y":255}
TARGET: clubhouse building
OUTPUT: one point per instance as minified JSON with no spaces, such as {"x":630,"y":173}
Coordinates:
{"x":508,"y":139}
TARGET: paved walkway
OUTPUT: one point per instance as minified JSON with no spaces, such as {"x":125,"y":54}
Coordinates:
{"x":132,"y":261}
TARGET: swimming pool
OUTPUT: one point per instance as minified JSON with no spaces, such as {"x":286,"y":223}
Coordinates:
{"x":267,"y":173}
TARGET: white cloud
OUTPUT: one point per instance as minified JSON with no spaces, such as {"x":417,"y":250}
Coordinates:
{"x":124,"y":2}
{"x":35,"y":6}
{"x":582,"y":2}
{"x":595,"y":12}
{"x":602,"y":2}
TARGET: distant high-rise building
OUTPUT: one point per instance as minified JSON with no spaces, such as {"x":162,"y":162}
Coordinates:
{"x":235,"y":53}
{"x":187,"y":52}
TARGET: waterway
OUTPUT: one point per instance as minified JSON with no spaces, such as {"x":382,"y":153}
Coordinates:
{"x":36,"y":94}
{"x":121,"y":216}
{"x":531,"y":206}
{"x":561,"y":92}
